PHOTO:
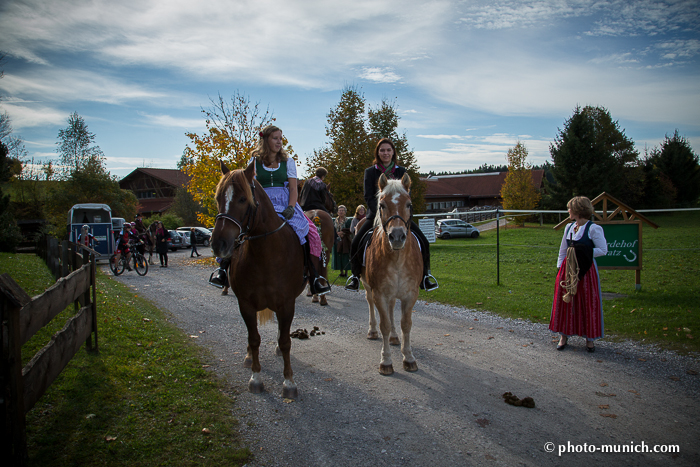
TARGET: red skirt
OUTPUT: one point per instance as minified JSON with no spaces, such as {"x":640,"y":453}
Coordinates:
{"x":583,"y":316}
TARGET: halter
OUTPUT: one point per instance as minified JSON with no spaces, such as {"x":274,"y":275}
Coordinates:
{"x":407,"y":223}
{"x":243,"y":235}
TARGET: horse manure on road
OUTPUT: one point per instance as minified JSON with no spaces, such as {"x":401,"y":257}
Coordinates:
{"x":304,"y":334}
{"x":528,"y":402}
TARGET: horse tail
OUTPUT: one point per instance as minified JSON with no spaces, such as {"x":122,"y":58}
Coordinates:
{"x":265,"y":316}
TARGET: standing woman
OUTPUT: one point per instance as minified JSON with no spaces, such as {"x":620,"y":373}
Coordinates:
{"x":162,"y":236}
{"x":385,"y":162}
{"x":578,"y":302}
{"x":359,"y":215}
{"x":341,"y":247}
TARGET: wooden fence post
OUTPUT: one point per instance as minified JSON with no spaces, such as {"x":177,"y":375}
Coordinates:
{"x":13,"y":439}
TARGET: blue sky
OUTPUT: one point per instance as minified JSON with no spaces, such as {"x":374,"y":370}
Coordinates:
{"x":469,"y":78}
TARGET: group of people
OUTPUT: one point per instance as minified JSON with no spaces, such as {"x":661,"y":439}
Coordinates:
{"x":130,"y":237}
{"x":577,"y":307}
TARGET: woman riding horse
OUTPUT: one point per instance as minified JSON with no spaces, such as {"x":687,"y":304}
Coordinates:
{"x":385,"y":163}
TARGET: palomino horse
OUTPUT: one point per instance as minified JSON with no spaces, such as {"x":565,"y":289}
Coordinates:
{"x":267,"y":265}
{"x":393,"y":268}
{"x":326,"y":235}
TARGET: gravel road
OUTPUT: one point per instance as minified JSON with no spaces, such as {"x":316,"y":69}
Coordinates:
{"x":449,"y":412}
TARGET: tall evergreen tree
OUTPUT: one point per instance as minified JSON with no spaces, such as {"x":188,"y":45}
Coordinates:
{"x":677,"y":164}
{"x":591,"y":155}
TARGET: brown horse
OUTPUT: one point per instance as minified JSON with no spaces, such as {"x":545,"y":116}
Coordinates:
{"x":266,"y":272}
{"x":149,"y":235}
{"x":326,"y":222}
{"x":393,"y":268}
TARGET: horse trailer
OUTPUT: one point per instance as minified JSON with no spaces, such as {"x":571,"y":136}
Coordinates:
{"x":98,"y":217}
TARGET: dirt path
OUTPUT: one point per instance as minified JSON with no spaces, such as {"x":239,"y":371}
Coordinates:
{"x":451,"y":411}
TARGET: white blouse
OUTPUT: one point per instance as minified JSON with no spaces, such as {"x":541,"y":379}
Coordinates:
{"x":600,"y":245}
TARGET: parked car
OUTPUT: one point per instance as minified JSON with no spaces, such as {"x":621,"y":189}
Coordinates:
{"x":202,"y":235}
{"x":185,"y":238}
{"x":448,"y":228}
{"x":175,"y":240}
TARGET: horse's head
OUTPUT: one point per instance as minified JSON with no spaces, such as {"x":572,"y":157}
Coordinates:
{"x":395,"y":210}
{"x":237,"y":207}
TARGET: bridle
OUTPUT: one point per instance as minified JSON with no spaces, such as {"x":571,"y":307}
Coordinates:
{"x":407,"y":223}
{"x":250,"y":214}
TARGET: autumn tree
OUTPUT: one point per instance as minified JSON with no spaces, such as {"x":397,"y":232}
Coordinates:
{"x":518,"y":191}
{"x":76,"y":149}
{"x":590,"y":155}
{"x":353,"y":131}
{"x":231,"y":134}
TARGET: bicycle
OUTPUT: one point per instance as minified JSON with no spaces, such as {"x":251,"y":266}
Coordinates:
{"x":137,"y":259}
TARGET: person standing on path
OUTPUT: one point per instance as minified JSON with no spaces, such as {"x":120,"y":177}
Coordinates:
{"x":162,"y":236}
{"x":193,"y":243}
{"x":578,"y":302}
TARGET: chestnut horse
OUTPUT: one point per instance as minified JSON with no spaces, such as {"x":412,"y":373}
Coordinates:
{"x":326,"y":235}
{"x":393,"y":268}
{"x":267,"y":265}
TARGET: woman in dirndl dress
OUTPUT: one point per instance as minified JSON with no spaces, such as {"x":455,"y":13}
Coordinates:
{"x":578,"y":301}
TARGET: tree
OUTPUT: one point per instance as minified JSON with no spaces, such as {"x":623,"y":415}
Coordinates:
{"x":231,"y":134}
{"x":185,"y":207}
{"x":591,"y":155}
{"x":10,"y":235}
{"x":75,"y":149}
{"x":517,"y":191}
{"x":353,"y":132}
{"x":673,"y":173}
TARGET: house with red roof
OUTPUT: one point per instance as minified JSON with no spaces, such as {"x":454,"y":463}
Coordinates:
{"x":444,"y":193}
{"x":155,"y":189}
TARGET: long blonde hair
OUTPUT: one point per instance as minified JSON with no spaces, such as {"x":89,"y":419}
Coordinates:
{"x":263,"y":153}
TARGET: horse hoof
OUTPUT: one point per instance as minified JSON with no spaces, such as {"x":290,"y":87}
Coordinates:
{"x":256,"y":387}
{"x":386,"y":370}
{"x":324,"y":302}
{"x":373,"y":335}
{"x":290,"y":392}
{"x":248,"y":362}
{"x":315,"y":299}
{"x":225,"y":291}
{"x":394,"y":341}
{"x":410,"y":366}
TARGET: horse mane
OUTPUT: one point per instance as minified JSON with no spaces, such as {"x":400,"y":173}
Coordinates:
{"x":393,"y":187}
{"x":236,"y":176}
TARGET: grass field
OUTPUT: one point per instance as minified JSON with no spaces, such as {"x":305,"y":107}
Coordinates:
{"x":666,"y":311}
{"x":143,"y":400}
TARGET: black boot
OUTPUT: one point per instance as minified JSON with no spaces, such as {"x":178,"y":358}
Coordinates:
{"x":428,"y":282}
{"x":317,"y":288}
{"x":220,"y":280}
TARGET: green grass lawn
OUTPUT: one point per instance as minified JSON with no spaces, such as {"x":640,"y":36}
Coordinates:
{"x":143,"y":400}
{"x":665,"y":311}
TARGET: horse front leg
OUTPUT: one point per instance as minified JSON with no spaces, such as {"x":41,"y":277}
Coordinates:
{"x":284,"y":343}
{"x":252,"y":360}
{"x":394,"y":336}
{"x":385,"y":365}
{"x":409,"y":361}
{"x":373,"y":333}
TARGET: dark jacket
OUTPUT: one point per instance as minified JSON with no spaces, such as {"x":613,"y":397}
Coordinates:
{"x":372,"y":175}
{"x":313,"y":195}
{"x":193,"y":238}
{"x":162,"y":246}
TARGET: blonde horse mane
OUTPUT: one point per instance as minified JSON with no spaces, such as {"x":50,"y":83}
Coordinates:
{"x":393,"y":187}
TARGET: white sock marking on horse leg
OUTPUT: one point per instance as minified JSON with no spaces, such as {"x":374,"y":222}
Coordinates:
{"x":255,"y":378}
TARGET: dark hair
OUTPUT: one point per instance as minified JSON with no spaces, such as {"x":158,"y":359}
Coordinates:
{"x":321,"y":172}
{"x":377,"y":160}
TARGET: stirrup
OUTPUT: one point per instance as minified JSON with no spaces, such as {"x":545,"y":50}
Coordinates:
{"x":427,"y":285}
{"x":353,"y":284}
{"x":218,"y":281}
{"x":317,"y":288}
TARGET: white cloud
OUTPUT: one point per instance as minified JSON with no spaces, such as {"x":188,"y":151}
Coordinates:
{"x":170,"y":121}
{"x":441,"y":136}
{"x":379,"y":75}
{"x":25,"y":115}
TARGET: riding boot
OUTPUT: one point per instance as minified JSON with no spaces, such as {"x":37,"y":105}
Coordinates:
{"x":315,"y":284}
{"x":428,"y":282}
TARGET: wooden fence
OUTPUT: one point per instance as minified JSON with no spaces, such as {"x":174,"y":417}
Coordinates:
{"x":22,"y":316}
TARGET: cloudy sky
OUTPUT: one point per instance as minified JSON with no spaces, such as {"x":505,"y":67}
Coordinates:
{"x":469,"y":78}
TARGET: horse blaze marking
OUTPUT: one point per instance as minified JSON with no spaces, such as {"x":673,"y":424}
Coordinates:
{"x":229,"y":196}
{"x":395,"y":198}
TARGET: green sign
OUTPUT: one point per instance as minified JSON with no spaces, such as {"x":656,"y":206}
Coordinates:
{"x":623,"y":246}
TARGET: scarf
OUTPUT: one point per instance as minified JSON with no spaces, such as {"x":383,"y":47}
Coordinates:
{"x":388,"y":171}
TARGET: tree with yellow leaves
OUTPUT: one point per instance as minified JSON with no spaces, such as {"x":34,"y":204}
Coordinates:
{"x":232,"y":132}
{"x":517,"y":191}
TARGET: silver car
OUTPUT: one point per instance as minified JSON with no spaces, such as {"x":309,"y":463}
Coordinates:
{"x":448,"y":228}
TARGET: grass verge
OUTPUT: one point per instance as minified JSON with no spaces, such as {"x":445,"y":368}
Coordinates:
{"x":666,"y":311}
{"x":145,"y":399}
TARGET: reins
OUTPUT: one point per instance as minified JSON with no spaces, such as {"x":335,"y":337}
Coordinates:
{"x":243,"y":235}
{"x":407,"y":223}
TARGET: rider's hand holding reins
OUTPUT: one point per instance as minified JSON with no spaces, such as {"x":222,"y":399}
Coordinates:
{"x":288,"y":212}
